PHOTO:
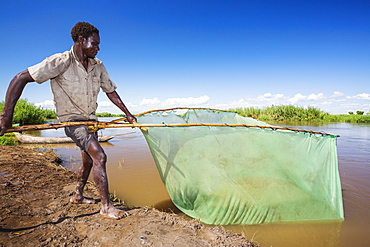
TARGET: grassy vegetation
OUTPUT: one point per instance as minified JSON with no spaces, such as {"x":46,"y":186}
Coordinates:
{"x":349,"y":118}
{"x":295,"y":113}
{"x":8,"y":139}
{"x":28,"y":113}
{"x":25,"y":113}
{"x":107,"y":114}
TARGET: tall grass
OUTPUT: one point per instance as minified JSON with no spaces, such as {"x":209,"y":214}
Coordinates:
{"x":27,"y":113}
{"x":349,"y":118}
{"x":283,"y":113}
{"x":8,"y":139}
{"x":295,"y":113}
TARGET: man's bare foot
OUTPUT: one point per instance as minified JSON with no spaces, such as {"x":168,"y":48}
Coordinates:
{"x":113,"y":213}
{"x":82,"y":200}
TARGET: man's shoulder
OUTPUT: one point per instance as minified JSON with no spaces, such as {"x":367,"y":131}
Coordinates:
{"x":50,"y":67}
{"x":62,"y":56}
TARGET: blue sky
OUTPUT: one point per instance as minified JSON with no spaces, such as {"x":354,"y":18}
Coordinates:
{"x":218,"y":54}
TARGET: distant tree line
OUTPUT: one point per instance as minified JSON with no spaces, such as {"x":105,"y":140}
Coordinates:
{"x":107,"y":114}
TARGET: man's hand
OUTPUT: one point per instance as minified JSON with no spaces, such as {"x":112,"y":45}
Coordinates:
{"x":131,"y":119}
{"x":5,"y":123}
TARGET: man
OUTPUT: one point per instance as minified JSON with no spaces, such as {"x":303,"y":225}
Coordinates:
{"x":76,"y":77}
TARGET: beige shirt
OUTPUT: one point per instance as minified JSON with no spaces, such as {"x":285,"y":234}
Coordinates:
{"x":75,"y":90}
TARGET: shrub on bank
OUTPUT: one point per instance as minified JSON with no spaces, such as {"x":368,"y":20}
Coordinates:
{"x":8,"y":140}
{"x":28,"y":113}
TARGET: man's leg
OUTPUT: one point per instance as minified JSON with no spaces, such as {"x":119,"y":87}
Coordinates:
{"x":99,"y":158}
{"x":82,"y":176}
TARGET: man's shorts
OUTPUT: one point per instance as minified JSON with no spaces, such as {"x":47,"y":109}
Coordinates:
{"x":81,"y":136}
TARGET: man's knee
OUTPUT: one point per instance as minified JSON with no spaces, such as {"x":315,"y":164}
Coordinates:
{"x":98,"y":156}
{"x":101,"y":157}
{"x":86,"y":159}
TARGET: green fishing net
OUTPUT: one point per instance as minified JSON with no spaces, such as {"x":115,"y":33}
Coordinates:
{"x":244,"y":175}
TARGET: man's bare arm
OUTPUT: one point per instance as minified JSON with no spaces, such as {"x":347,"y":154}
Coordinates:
{"x":13,"y":93}
{"x":114,"y":97}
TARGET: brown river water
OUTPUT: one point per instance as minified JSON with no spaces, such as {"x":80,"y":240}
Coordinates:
{"x":134,"y":178}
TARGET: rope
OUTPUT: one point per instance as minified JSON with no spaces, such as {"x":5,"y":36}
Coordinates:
{"x":177,"y":108}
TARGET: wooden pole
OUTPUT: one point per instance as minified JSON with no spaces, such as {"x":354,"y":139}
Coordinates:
{"x":95,"y":125}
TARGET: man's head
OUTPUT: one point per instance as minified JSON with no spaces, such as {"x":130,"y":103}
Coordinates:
{"x":86,"y":36}
{"x":83,"y":29}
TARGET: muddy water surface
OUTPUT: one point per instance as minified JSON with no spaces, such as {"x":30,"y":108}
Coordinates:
{"x":134,"y":178}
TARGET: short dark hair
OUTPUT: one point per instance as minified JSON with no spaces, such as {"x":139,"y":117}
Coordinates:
{"x":84,"y":29}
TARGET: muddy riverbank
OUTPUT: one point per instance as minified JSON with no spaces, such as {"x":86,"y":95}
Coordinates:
{"x":34,"y":211}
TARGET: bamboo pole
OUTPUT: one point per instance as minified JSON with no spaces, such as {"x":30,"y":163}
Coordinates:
{"x":95,"y":125}
{"x":50,"y":126}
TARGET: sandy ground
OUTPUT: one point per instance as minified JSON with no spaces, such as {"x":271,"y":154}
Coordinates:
{"x":34,"y":211}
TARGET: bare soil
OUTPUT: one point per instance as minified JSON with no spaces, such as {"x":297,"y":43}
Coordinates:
{"x":35,"y":211}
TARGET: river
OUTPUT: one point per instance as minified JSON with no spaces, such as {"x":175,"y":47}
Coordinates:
{"x":134,"y":178}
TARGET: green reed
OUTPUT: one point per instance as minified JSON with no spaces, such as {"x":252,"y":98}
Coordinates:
{"x":296,"y":113}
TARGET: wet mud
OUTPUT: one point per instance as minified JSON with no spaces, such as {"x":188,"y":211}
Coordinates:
{"x":35,"y":211}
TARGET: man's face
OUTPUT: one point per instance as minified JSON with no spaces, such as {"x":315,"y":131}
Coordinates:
{"x":90,"y":46}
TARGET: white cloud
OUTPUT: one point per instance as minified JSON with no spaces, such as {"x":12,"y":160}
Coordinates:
{"x":364,"y":96}
{"x":338,"y":94}
{"x":270,"y":97}
{"x":337,"y":103}
{"x":315,"y":97}
{"x":296,"y":98}
{"x":190,"y":101}
{"x":267,"y":95}
{"x":266,"y":99}
{"x":155,"y":103}
{"x":47,"y":104}
{"x":146,"y":102}
{"x":175,"y":102}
